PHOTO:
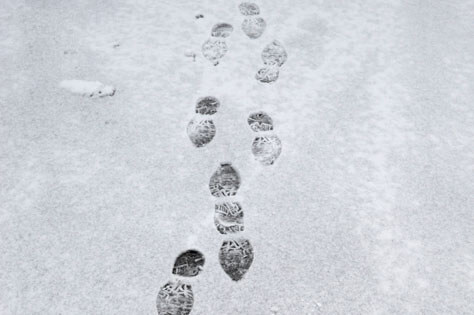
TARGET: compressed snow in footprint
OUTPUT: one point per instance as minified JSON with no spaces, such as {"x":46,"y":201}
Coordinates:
{"x":274,"y":54}
{"x":87,"y":88}
{"x":254,"y":27}
{"x":248,"y":8}
{"x":214,"y":49}
{"x":222,"y":30}
{"x":268,"y":74}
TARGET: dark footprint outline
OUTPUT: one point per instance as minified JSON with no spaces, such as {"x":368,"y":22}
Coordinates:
{"x":236,"y":257}
{"x":189,"y":263}
{"x":222,"y":30}
{"x":207,"y":105}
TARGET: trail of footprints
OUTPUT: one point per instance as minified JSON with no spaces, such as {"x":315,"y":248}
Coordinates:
{"x":273,"y":55}
{"x":236,"y":253}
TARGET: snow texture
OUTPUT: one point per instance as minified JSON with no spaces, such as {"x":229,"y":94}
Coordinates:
{"x":87,"y":88}
{"x":367,"y":210}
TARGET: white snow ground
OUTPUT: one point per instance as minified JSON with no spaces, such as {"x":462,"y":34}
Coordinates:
{"x":369,"y":209}
{"x":92,"y":89}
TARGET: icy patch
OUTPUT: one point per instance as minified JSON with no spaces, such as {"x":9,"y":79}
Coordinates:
{"x":92,"y":89}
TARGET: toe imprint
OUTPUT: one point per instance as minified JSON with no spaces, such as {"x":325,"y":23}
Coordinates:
{"x":207,"y":105}
{"x":189,"y":264}
{"x":225,"y":181}
{"x":274,"y":53}
{"x":249,"y":8}
{"x":201,"y":132}
{"x":222,"y":30}
{"x":229,"y":217}
{"x":236,"y":257}
{"x":254,"y":27}
{"x":260,"y":121}
{"x":175,"y":298}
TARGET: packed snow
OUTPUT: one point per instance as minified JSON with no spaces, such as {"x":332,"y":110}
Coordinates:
{"x":92,"y":89}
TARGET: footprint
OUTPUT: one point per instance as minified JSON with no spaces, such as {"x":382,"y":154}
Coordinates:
{"x":249,"y":8}
{"x":229,"y":217}
{"x":268,"y":74}
{"x":222,"y":30}
{"x":260,"y":121}
{"x":189,"y":264}
{"x":236,"y":257}
{"x":207,"y":105}
{"x":254,"y":26}
{"x":201,"y":131}
{"x":175,"y":298}
{"x":266,"y":149}
{"x":274,"y":56}
{"x":214,"y":49}
{"x":225,"y":181}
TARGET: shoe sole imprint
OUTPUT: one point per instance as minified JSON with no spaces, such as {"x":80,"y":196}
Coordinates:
{"x":229,"y":217}
{"x":189,"y":263}
{"x":266,"y":149}
{"x":236,"y":257}
{"x":225,"y":181}
{"x":201,"y":131}
{"x":175,"y":298}
{"x":254,"y":26}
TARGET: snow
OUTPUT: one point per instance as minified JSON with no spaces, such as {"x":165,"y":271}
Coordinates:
{"x":368,"y":209}
{"x":87,"y":88}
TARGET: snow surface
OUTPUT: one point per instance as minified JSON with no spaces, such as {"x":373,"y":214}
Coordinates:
{"x":87,"y":88}
{"x":368,"y":210}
